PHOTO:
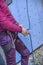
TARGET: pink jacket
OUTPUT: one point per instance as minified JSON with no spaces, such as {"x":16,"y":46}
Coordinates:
{"x":7,"y":22}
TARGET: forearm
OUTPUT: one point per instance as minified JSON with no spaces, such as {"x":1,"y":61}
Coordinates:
{"x":7,"y":25}
{"x":12,"y":27}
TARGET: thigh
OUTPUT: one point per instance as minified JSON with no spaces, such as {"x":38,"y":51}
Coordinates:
{"x":10,"y":53}
{"x":8,"y":46}
{"x":20,"y":47}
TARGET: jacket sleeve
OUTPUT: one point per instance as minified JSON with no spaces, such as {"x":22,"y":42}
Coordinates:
{"x":7,"y":12}
{"x":7,"y":25}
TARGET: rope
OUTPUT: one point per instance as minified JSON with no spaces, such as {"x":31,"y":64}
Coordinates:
{"x":28,"y":28}
{"x":29,"y":33}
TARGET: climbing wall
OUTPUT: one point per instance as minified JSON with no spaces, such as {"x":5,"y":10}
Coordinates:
{"x":29,"y":13}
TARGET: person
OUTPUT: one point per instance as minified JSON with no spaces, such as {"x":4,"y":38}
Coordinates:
{"x":8,"y":23}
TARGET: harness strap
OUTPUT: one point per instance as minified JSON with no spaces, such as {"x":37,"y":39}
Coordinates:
{"x":7,"y":47}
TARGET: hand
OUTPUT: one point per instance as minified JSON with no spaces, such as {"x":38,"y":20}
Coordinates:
{"x":24,"y":31}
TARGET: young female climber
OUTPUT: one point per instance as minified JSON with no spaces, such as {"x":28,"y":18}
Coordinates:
{"x":7,"y":22}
